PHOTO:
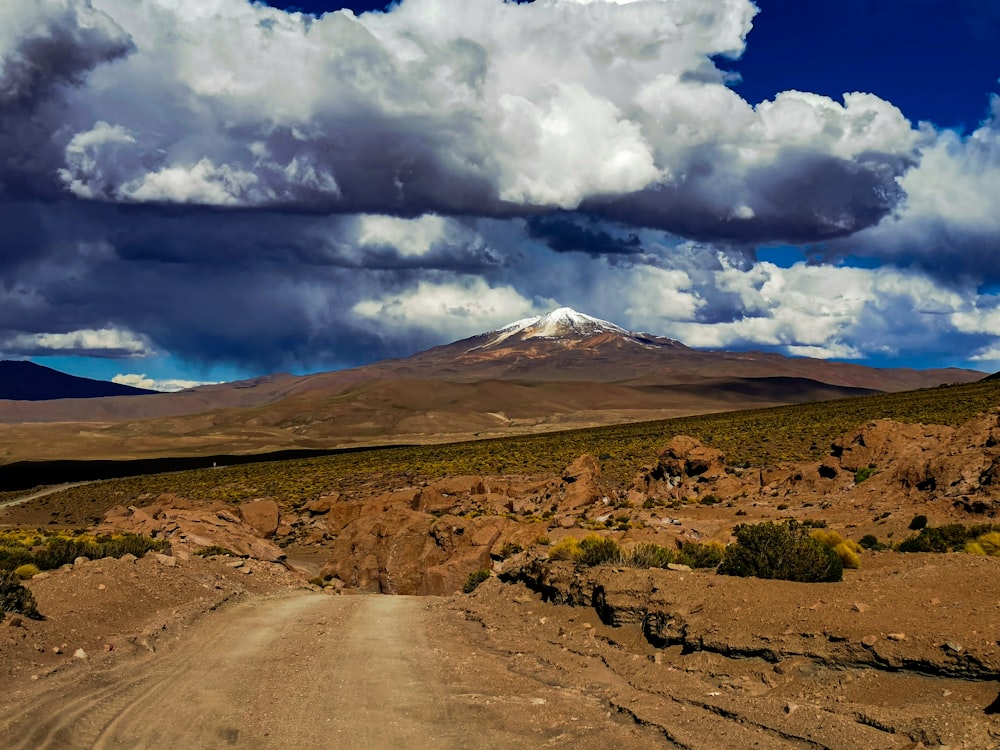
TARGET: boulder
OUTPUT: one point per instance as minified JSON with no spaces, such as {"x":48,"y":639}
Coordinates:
{"x":263,"y":515}
{"x":688,"y":457}
{"x":322,"y":504}
{"x":582,"y":485}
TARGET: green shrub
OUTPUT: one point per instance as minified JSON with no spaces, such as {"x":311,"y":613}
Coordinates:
{"x":918,"y":522}
{"x":215,"y":549}
{"x":567,"y":548}
{"x":24,"y":572}
{"x":783,"y":551}
{"x":509,"y":549}
{"x":598,"y":550}
{"x":697,"y":555}
{"x":870,"y":541}
{"x":848,"y":555}
{"x":649,"y":555}
{"x":990,"y":543}
{"x":15,"y":598}
{"x":947,"y":538}
{"x":475,"y":578}
{"x":863,"y":473}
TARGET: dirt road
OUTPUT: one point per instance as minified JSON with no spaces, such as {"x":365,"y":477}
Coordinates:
{"x":308,"y":670}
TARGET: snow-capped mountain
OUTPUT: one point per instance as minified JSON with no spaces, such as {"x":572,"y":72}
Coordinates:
{"x":567,"y":326}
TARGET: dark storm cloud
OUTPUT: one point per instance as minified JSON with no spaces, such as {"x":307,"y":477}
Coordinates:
{"x":578,"y":235}
{"x":43,"y":51}
{"x":800,"y":197}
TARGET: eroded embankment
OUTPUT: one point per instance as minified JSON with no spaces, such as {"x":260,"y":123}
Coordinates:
{"x":926,"y":614}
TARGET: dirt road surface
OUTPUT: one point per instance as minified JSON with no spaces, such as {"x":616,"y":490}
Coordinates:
{"x":307,"y":670}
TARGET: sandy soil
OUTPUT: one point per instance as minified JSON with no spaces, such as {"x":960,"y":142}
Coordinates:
{"x":303,"y":669}
{"x":199,"y":653}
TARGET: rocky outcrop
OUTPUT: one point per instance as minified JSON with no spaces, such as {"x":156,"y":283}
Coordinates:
{"x":192,"y":529}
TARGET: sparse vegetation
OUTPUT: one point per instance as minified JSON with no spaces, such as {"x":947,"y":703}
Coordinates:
{"x":748,"y":438}
{"x":871,"y":542}
{"x":780,"y":550}
{"x":567,"y":548}
{"x":24,"y":572}
{"x":15,"y":598}
{"x":475,"y":578}
{"x":214,"y":550}
{"x":509,"y":549}
{"x":599,"y":550}
{"x":48,"y":550}
{"x":698,"y":555}
{"x":864,"y":473}
{"x":649,"y":555}
{"x":918,"y":522}
{"x":952,"y":537}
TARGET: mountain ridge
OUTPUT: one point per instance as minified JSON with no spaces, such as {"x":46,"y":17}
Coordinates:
{"x":558,"y":371}
{"x":22,"y":380}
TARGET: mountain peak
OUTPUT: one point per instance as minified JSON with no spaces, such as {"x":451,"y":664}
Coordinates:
{"x":560,"y":323}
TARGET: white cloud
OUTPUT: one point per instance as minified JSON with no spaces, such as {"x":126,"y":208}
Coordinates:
{"x":106,"y":342}
{"x":410,"y":237}
{"x":168,"y":385}
{"x":452,"y":310}
{"x":459,"y":107}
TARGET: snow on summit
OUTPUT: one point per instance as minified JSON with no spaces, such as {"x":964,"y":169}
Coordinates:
{"x":564,"y":322}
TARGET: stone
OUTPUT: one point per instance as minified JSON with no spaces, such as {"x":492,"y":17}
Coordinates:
{"x":859,"y":607}
{"x":165,"y":560}
{"x":79,"y":654}
{"x":869,"y":640}
{"x":82,"y":560}
{"x":15,"y":622}
{"x":679,"y":567}
{"x":896,"y":636}
{"x":321,"y":505}
{"x":263,"y":515}
{"x":128,"y":557}
{"x":953,"y":647}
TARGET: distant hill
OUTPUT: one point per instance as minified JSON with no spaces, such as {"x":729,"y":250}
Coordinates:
{"x":27,"y":381}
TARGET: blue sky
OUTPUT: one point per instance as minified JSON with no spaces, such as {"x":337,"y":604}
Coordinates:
{"x":198,"y":195}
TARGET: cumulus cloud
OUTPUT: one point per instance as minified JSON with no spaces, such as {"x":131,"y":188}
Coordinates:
{"x":167,"y":385}
{"x":948,"y":223}
{"x":487,"y":108}
{"x":456,"y":309}
{"x":105,"y":342}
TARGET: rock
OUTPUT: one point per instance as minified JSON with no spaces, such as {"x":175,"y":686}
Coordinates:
{"x":686,"y":456}
{"x":262,"y":515}
{"x":869,"y":640}
{"x":15,"y":622}
{"x":79,"y":654}
{"x":859,"y":607}
{"x":322,"y":504}
{"x":896,"y":636}
{"x":166,"y":560}
{"x":582,"y":484}
{"x":679,"y":567}
{"x":195,"y":528}
{"x":101,"y":587}
{"x":235,"y":564}
{"x":128,"y":557}
{"x":953,"y":647}
{"x":109,"y":647}
{"x":57,"y":650}
{"x":81,"y":560}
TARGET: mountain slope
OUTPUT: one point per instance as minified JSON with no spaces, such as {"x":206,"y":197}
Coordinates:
{"x":552,"y":372}
{"x":27,"y":381}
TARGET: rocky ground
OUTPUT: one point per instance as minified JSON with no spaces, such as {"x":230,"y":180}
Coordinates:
{"x":904,"y":652}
